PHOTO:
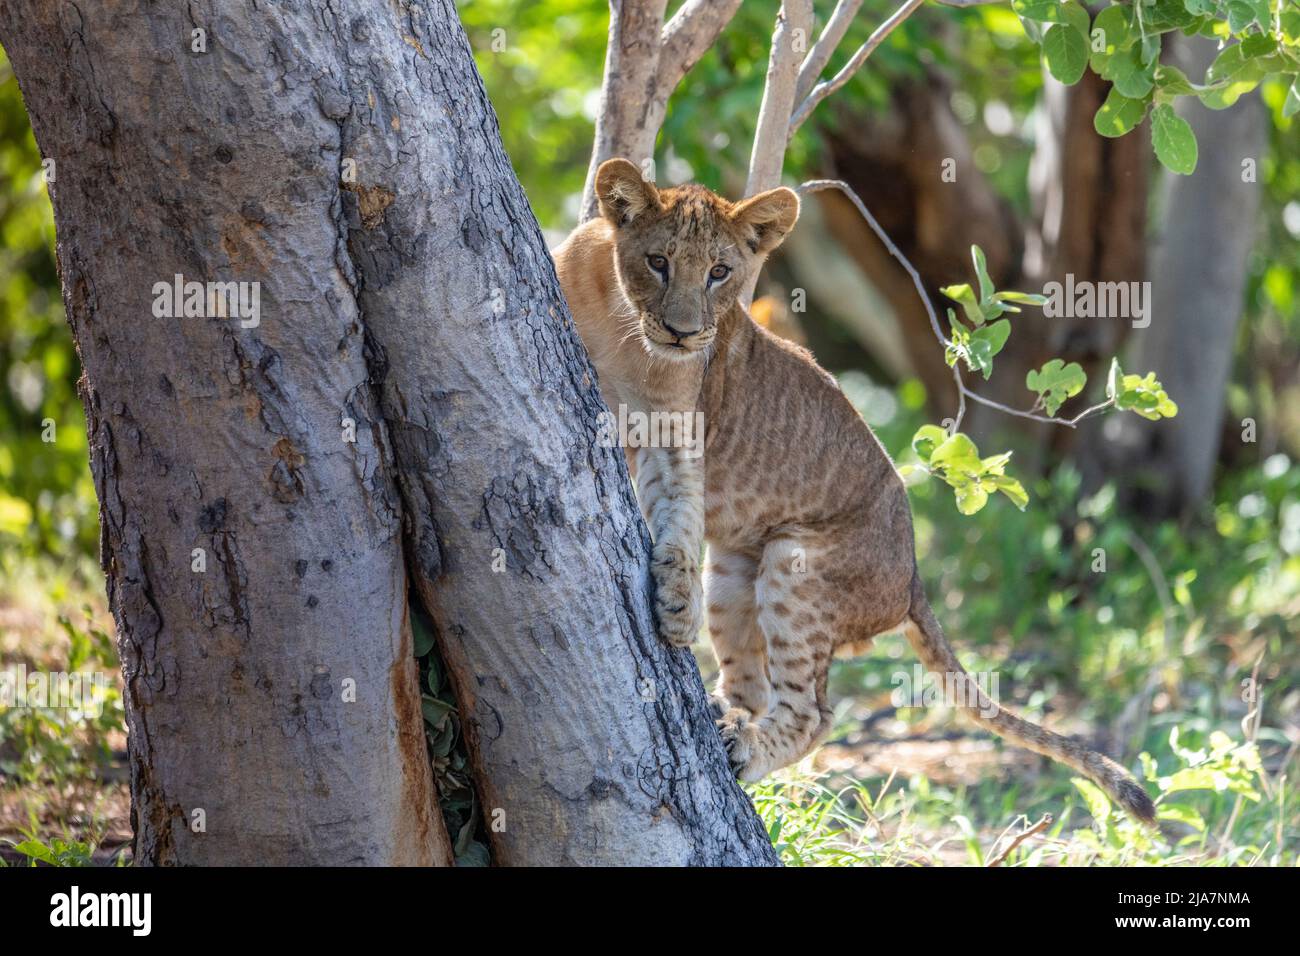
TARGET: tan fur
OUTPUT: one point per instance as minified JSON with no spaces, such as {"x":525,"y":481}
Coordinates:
{"x":807,"y":521}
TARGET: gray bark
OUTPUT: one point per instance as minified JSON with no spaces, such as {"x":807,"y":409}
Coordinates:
{"x":591,"y":739}
{"x":417,"y":299}
{"x":207,"y":435}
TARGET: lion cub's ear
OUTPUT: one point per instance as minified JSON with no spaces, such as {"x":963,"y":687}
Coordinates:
{"x":770,"y":215}
{"x":622,"y":192}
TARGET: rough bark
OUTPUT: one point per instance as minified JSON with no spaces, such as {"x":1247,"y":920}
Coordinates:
{"x":204,"y":434}
{"x":591,"y":739}
{"x":350,"y":162}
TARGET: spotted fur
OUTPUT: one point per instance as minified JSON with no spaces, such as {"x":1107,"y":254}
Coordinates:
{"x":810,"y":544}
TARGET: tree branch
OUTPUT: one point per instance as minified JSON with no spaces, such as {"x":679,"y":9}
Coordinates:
{"x":768,"y":155}
{"x":964,"y":392}
{"x":687,"y":37}
{"x":823,"y":90}
{"x":624,"y":126}
{"x":820,"y":54}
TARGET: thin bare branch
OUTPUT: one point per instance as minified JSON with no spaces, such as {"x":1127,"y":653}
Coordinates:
{"x":963,"y":391}
{"x":688,"y":36}
{"x":826,"y":44}
{"x":825,"y":89}
{"x":1020,"y":838}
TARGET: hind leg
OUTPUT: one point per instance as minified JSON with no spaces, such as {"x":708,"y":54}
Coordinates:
{"x":799,"y":638}
{"x":738,"y":642}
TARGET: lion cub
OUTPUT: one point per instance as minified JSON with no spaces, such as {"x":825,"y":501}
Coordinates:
{"x":807,"y":521}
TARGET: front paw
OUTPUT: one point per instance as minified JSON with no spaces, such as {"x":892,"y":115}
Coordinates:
{"x":744,"y":744}
{"x":678,"y":595}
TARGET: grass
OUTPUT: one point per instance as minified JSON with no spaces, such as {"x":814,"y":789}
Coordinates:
{"x":1216,"y":806}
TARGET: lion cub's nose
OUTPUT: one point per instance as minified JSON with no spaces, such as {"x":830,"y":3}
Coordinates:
{"x":680,"y":334}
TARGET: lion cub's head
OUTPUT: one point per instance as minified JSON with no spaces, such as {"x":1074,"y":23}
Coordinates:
{"x":684,"y":254}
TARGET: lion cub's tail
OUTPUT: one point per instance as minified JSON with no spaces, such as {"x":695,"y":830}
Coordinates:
{"x":926,"y":638}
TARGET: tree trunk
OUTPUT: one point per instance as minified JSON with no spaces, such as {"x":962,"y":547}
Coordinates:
{"x":591,"y":740}
{"x":252,"y":555}
{"x":352,"y":166}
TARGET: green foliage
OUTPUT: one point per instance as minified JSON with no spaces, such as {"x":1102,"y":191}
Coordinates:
{"x":46,"y":494}
{"x":1057,"y":601}
{"x":1055,"y":382}
{"x":953,"y":458}
{"x":1224,"y":767}
{"x":1065,"y":43}
{"x":1140,"y":394}
{"x":447,"y":751}
{"x":57,"y":853}
{"x":1124,"y":44}
{"x":58,"y":745}
{"x":956,"y":461}
{"x":1174,"y":141}
{"x":983,"y":309}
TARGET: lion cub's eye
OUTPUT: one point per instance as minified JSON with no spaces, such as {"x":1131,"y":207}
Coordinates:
{"x":719,"y":272}
{"x":658,"y":264}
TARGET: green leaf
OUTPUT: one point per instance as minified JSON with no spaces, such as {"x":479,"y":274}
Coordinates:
{"x":927,"y":439}
{"x":37,"y":851}
{"x":1142,"y":395}
{"x":1291,"y":105}
{"x":1118,"y":114}
{"x":1181,"y":814}
{"x":476,"y":854}
{"x":1013,"y":490}
{"x":1161,"y":16}
{"x":957,"y":451}
{"x":1290,"y":22}
{"x":985,"y":343}
{"x":1112,"y":386}
{"x":1098,"y":802}
{"x":423,"y":637}
{"x":1172,"y":82}
{"x":1238,"y":69}
{"x":1242,"y":13}
{"x":964,"y":295}
{"x":1174,"y":140}
{"x":1045,"y":11}
{"x":982,"y":273}
{"x":1076,"y":15}
{"x":1024,"y":298}
{"x":971,"y":497}
{"x":1066,"y":52}
{"x":434,"y":710}
{"x":1110,"y":33}
{"x":1056,"y":382}
{"x":1131,"y":76}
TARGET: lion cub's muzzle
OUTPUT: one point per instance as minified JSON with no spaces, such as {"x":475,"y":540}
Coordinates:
{"x":663,"y":335}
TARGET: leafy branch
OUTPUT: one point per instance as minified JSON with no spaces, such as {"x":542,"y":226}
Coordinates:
{"x":952,"y":456}
{"x":1123,"y":42}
